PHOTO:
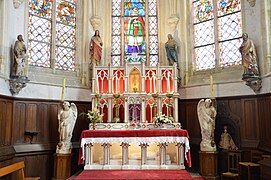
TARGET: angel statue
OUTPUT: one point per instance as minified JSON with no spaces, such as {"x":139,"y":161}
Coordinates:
{"x":206,"y":114}
{"x":66,"y":120}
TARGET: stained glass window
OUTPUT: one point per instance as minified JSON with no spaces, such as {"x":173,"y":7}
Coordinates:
{"x":65,"y":35}
{"x":138,"y":39}
{"x":217,"y":33}
{"x":44,"y":27}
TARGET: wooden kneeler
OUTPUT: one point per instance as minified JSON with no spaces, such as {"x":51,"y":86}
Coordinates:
{"x":19,"y":166}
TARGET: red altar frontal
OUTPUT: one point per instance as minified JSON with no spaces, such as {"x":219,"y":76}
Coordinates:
{"x":143,"y":138}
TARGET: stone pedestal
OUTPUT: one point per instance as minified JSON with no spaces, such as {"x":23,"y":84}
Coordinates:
{"x":62,"y":166}
{"x":208,"y":164}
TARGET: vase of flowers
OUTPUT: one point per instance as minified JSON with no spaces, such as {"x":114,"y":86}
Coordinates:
{"x":94,"y":116}
{"x":161,"y":120}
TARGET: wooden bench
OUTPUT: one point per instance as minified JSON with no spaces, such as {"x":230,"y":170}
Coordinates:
{"x":19,"y":166}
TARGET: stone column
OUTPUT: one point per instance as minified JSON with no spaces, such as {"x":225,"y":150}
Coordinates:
{"x":176,"y":109}
{"x":143,"y":75}
{"x":125,"y":159}
{"x":162,"y":153}
{"x":106,"y":153}
{"x":110,"y":85}
{"x":143,"y":111}
{"x":126,"y":111}
{"x":180,"y":154}
{"x":144,"y":153}
{"x":88,"y":154}
{"x":110,"y":113}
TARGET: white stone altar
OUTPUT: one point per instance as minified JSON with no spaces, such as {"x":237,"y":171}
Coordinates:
{"x":131,"y":97}
{"x":172,"y":143}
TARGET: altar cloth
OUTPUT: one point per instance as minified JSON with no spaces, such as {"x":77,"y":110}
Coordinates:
{"x":135,"y":136}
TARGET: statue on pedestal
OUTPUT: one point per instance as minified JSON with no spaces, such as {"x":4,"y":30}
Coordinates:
{"x":66,"y":117}
{"x":18,"y":75}
{"x":20,"y":57}
{"x":96,"y":48}
{"x":249,"y":60}
{"x":171,"y":50}
{"x":249,"y":57}
{"x":206,"y":115}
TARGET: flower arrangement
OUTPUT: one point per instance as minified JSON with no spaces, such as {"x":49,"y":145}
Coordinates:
{"x":162,"y":119}
{"x":94,"y":115}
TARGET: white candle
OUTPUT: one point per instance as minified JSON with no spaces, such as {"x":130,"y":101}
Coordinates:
{"x":119,"y":86}
{"x":151,"y":83}
{"x":97,"y":85}
{"x":63,"y":89}
{"x":154,"y":84}
{"x":116,"y":85}
{"x":168,"y":84}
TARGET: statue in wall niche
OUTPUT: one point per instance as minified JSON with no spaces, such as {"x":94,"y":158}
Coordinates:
{"x":206,"y":115}
{"x":96,"y":48}
{"x":249,"y":57}
{"x":226,"y":141}
{"x":66,"y":120}
{"x":20,"y":57}
{"x":171,"y":50}
{"x":249,"y":60}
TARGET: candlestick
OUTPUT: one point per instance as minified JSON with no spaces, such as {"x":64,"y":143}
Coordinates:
{"x":63,"y":90}
{"x":212,"y":87}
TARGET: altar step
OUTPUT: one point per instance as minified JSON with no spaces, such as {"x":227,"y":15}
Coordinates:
{"x":134,"y":174}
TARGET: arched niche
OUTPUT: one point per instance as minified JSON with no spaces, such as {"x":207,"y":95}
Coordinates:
{"x":134,"y":80}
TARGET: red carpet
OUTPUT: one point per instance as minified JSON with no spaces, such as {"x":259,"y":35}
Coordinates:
{"x":133,"y":174}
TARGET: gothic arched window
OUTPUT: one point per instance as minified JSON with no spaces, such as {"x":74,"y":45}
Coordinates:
{"x":217,"y":33}
{"x":134,"y":31}
{"x":51,"y":33}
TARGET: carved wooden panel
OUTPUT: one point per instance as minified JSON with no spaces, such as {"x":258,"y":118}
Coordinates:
{"x":264,"y":105}
{"x":5,"y":121}
{"x":19,"y":122}
{"x":31,"y":117}
{"x":250,"y":123}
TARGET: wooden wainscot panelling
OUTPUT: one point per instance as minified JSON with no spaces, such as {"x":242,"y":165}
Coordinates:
{"x":53,"y":122}
{"x":31,"y":117}
{"x":6,"y":110}
{"x":43,"y":126}
{"x":264,"y":104}
{"x":19,"y":122}
{"x":191,"y":121}
{"x":250,"y":123}
{"x":39,"y":166}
